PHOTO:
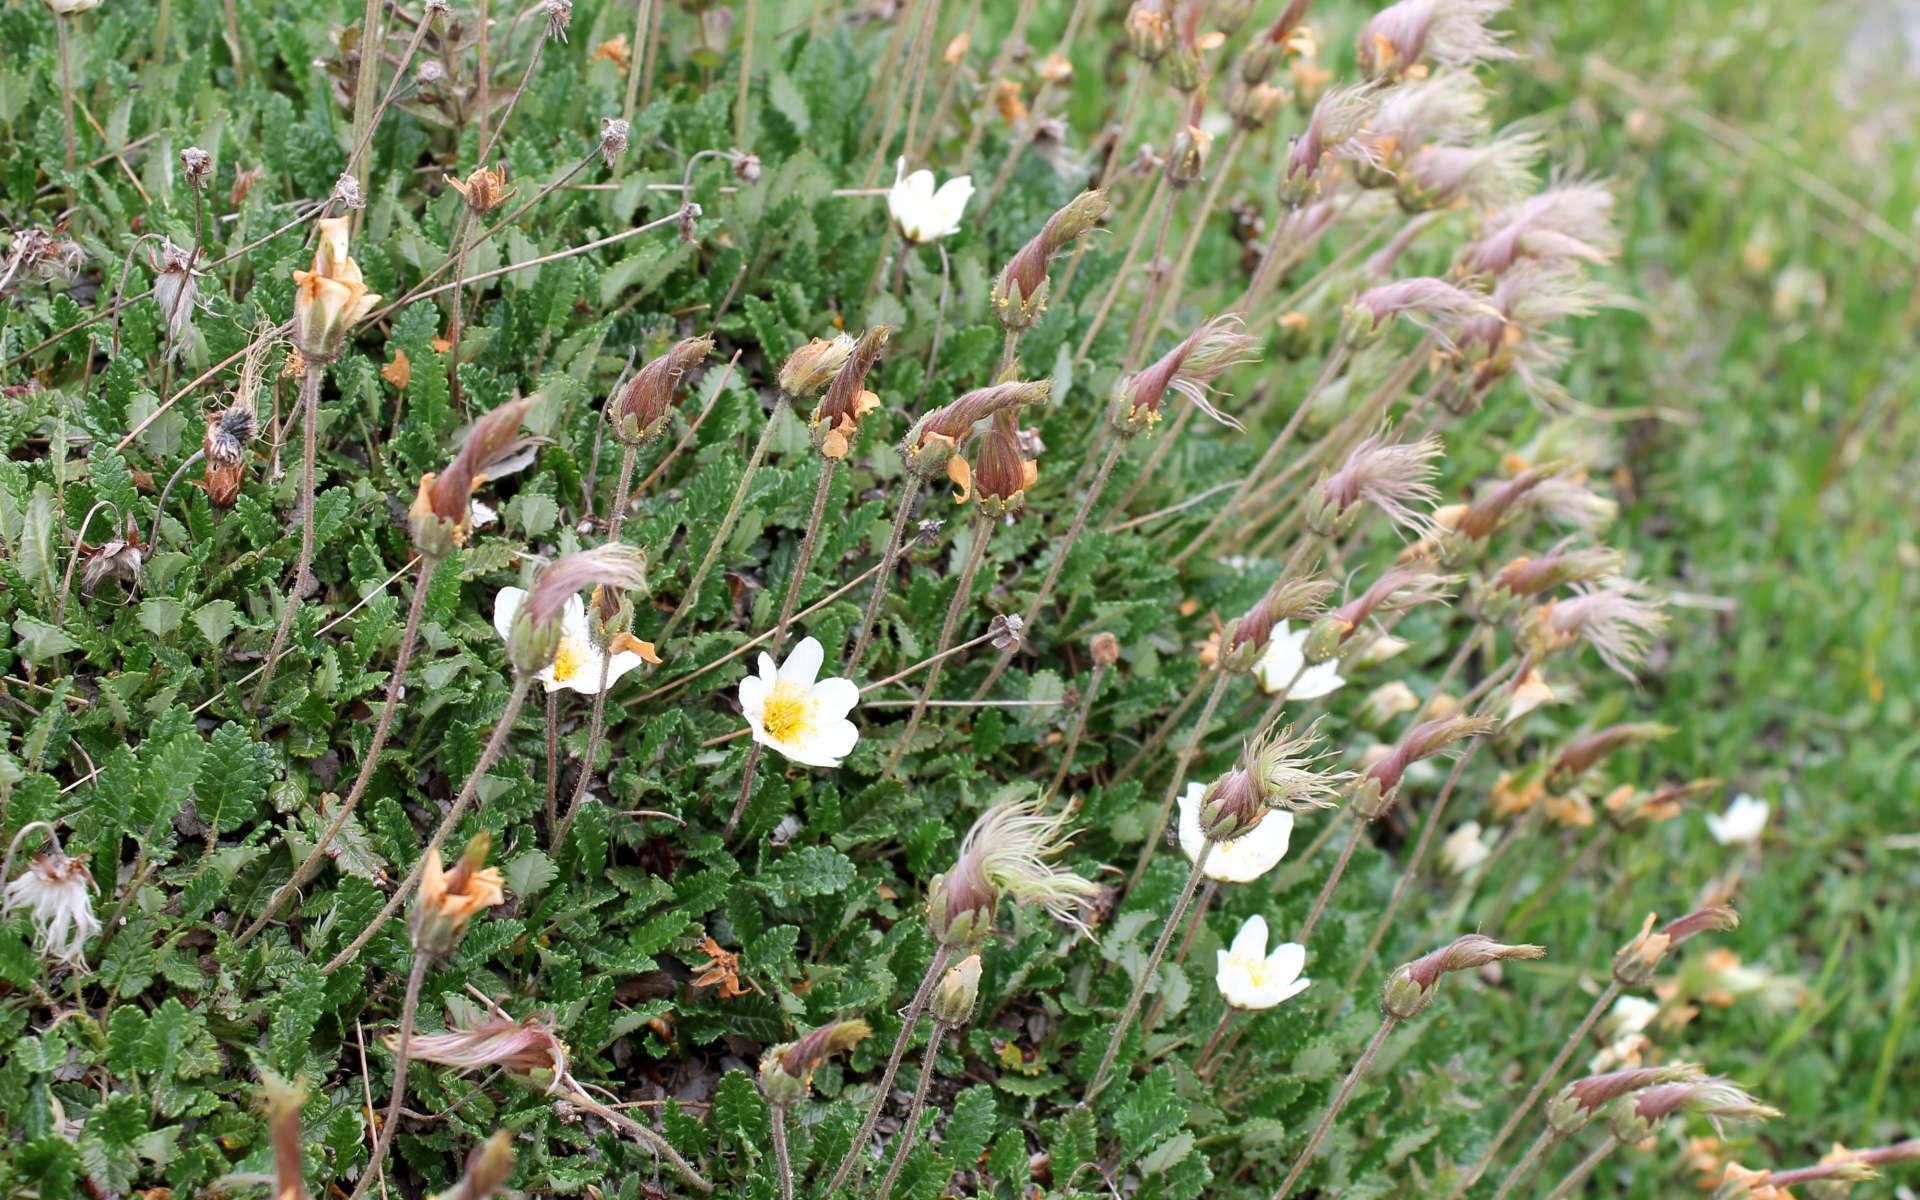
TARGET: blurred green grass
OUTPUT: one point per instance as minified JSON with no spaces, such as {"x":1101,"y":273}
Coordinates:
{"x":1778,"y":494}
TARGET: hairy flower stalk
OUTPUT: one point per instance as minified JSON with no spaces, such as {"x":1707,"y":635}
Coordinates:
{"x":786,"y":1078}
{"x":1379,"y":786}
{"x":953,"y":1004}
{"x":1406,"y":994}
{"x":1007,"y":853}
{"x":1633,"y":966}
{"x":439,"y":520}
{"x":1188,"y":370}
{"x":930,"y":453}
{"x":1001,"y":477}
{"x":531,"y":648}
{"x":282,"y":1100}
{"x":637,"y":414}
{"x":1106,"y":652}
{"x":1581,"y":1103}
{"x":805,"y":374}
{"x":835,"y":424}
{"x":447,"y":903}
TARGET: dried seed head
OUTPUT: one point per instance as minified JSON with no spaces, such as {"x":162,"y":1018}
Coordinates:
{"x":483,"y":189}
{"x":1447,"y":107}
{"x":1559,"y":568}
{"x":347,"y":193}
{"x":1187,"y":158}
{"x":1583,"y":753}
{"x":1635,"y":963}
{"x":1612,"y":619}
{"x":1432,"y":304}
{"x":1484,"y":174}
{"x":1291,"y":598}
{"x":559,"y":14}
{"x":1020,"y":294}
{"x":1379,"y":784}
{"x":1149,"y":30}
{"x":1398,"y":589}
{"x":786,"y":1070}
{"x":1105,"y":648}
{"x":535,"y":634}
{"x":1567,"y":221}
{"x":836,"y":419}
{"x":1490,"y":509}
{"x":1336,"y":132}
{"x":56,"y":892}
{"x":176,"y":291}
{"x":1451,"y":33}
{"x":1189,"y":370}
{"x":529,"y":1049}
{"x":438,"y":518}
{"x":1392,"y":476}
{"x":929,"y":450}
{"x":813,"y":366}
{"x":1289,"y":770}
{"x":1409,"y":989}
{"x":1006,"y":853}
{"x":1575,"y":1106}
{"x":615,"y":134}
{"x":225,"y":446}
{"x":197,"y":164}
{"x":1633,"y":1118}
{"x":330,"y":297}
{"x":638,"y":412}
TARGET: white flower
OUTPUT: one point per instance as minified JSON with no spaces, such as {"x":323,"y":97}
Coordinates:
{"x":798,"y":714}
{"x":1463,"y":850}
{"x":1630,"y":1015}
{"x":577,"y":664}
{"x":921,"y":214}
{"x":1251,"y":978}
{"x":1284,"y":657}
{"x":57,"y":892}
{"x":1243,"y":859}
{"x":67,"y":8}
{"x":1743,"y":822}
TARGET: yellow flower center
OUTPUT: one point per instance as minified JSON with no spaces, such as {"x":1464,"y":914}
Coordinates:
{"x":567,"y":663}
{"x":788,"y":715}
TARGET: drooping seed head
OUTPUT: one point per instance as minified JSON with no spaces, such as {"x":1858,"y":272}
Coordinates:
{"x":1616,"y":622}
{"x":1188,"y":370}
{"x":1634,"y":1117}
{"x":1450,"y":33}
{"x":1584,"y":752}
{"x":1336,"y":132}
{"x":930,"y":446}
{"x":1007,"y":853}
{"x":1575,"y":1106}
{"x":529,"y":1049}
{"x":1291,"y":598}
{"x":786,"y":1070}
{"x":1410,"y":988}
{"x":1377,"y":787}
{"x":813,"y":366}
{"x":439,"y":516}
{"x":1020,"y":293}
{"x":836,"y":419}
{"x":1635,"y":962}
{"x":1392,"y":476}
{"x":1566,"y":221}
{"x":615,"y":135}
{"x":637,"y":413}
{"x":1561,"y":567}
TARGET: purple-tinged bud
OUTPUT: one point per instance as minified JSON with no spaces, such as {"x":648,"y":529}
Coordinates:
{"x":1002,"y":472}
{"x":1289,"y":599}
{"x":1633,"y":1118}
{"x":1453,"y":33}
{"x":438,"y":519}
{"x":930,"y":448}
{"x":786,"y":1070}
{"x":1379,"y":784}
{"x":1583,"y":753}
{"x":1410,"y":988}
{"x":1432,"y":304}
{"x":1020,"y":294}
{"x":1575,"y":1106}
{"x":1189,"y":370}
{"x":1392,"y":476}
{"x":957,"y":992}
{"x":638,"y":412}
{"x":1398,"y":589}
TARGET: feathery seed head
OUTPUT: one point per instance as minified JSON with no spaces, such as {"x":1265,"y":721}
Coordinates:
{"x":439,"y":516}
{"x":1189,"y":370}
{"x":1377,"y":787}
{"x":1575,"y":1106}
{"x":528,"y":1049}
{"x":197,"y":165}
{"x":637,"y":413}
{"x":1020,"y":293}
{"x":1612,"y":619}
{"x":1633,"y":1118}
{"x":1583,"y":753}
{"x":1410,"y":988}
{"x":1336,"y":132}
{"x":1007,"y":852}
{"x":1566,"y":221}
{"x":1483,"y":174}
{"x":1291,"y":598}
{"x":813,"y":366}
{"x":1403,"y":37}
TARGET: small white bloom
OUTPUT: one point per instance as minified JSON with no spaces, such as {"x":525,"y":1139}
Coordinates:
{"x":1284,"y":657}
{"x":1743,"y":822}
{"x":1630,"y":1015}
{"x":57,"y":893}
{"x":1251,"y":978}
{"x":1464,"y":850}
{"x":1243,"y":859}
{"x":482,"y":516}
{"x":802,"y":716}
{"x":577,"y":664}
{"x":67,"y":8}
{"x":921,"y":214}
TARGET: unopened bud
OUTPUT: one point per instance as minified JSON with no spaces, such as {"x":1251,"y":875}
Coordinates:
{"x":959,"y":988}
{"x":1149,"y":31}
{"x":1187,"y":161}
{"x":1105,"y":648}
{"x":1412,"y":986}
{"x":813,"y":366}
{"x":614,"y":137}
{"x":960,"y":903}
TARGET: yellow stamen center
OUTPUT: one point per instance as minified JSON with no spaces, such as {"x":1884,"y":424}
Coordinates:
{"x":567,"y":663}
{"x":788,"y":715}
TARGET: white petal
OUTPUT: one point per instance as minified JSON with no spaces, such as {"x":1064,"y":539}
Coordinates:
{"x":506,"y":603}
{"x":1254,"y":853}
{"x":835,"y":697}
{"x":769,"y":674}
{"x":573,"y":617}
{"x":1191,"y":839}
{"x":753,"y":696}
{"x":1281,"y":661}
{"x":1251,"y":941}
{"x":620,"y":664}
{"x":1287,"y":960}
{"x":1293,"y":989}
{"x":803,"y":663}
{"x":1318,"y":681}
{"x":920,"y":186}
{"x":837,"y":740}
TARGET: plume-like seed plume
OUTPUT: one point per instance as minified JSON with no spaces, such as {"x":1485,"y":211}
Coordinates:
{"x":1611,"y":619}
{"x":1392,"y":476}
{"x":521,"y":1048}
{"x":1188,"y":369}
{"x":1451,"y":33}
{"x":612,"y":565}
{"x":1567,"y":220}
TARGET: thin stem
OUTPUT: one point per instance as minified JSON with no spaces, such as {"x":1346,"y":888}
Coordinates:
{"x":903,"y":511}
{"x":1125,"y":1024}
{"x":372,"y":42}
{"x":455,"y":313}
{"x":1333,"y":880}
{"x":982,"y":534}
{"x":1412,"y":868}
{"x":1197,"y":227}
{"x":1586,"y":1167}
{"x":725,"y":531}
{"x":1074,"y":733}
{"x":1522,"y":1170}
{"x":855,"y":1150}
{"x":794,"y":583}
{"x":553,"y":760}
{"x":653,"y":50}
{"x":66,"y":85}
{"x":1058,"y":564}
{"x":1161,"y":734}
{"x":910,"y":1127}
{"x":1203,"y":1065}
{"x":923,"y":15}
{"x":1552,"y":886}
{"x":782,"y":1162}
{"x":915,"y":153}
{"x":526,"y":76}
{"x":522,"y":683}
{"x":740,"y":125}
{"x":1142,"y":330}
{"x":1193,"y":926}
{"x":1122,"y":136}
{"x":939,"y":317}
{"x":1221,"y":677}
{"x":415,"y":974}
{"x":1101,"y":314}
{"x":483,"y":80}
{"x":597,"y":723}
{"x":1387,"y":1025}
{"x":641,"y":18}
{"x":1533,"y":1095}
{"x":310,"y":417}
{"x":660,"y":1146}
{"x":396,"y":682}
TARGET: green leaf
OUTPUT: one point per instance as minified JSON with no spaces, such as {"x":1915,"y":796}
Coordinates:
{"x":807,"y":872}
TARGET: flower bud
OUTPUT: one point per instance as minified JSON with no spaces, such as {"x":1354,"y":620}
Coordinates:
{"x":638,"y":412}
{"x":813,"y":366}
{"x":1230,"y":806}
{"x":1002,"y":473}
{"x":960,"y":903}
{"x":836,"y":419}
{"x":488,"y":1169}
{"x":615,"y":135}
{"x":1575,"y":1106}
{"x":448,"y":900}
{"x":1187,"y":160}
{"x":959,"y":988}
{"x":786,"y":1070}
{"x":1020,"y":292}
{"x":1105,"y":649}
{"x":1149,"y":31}
{"x":1411,"y":987}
